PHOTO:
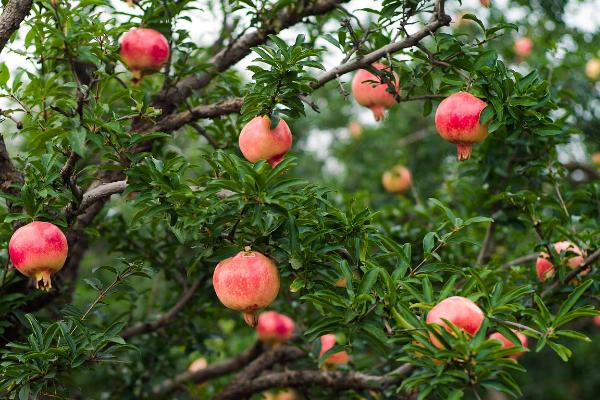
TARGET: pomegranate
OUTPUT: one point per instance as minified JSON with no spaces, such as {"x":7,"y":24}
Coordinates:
{"x":507,"y":344}
{"x":246,"y":282}
{"x":460,"y":311}
{"x":198,"y":365}
{"x":523,"y":46}
{"x":327,"y":342}
{"x":355,"y":129}
{"x":38,"y":250}
{"x":144,"y":50}
{"x":592,"y":68}
{"x":373,"y":95}
{"x":274,"y":328}
{"x":485,"y":3}
{"x":259,"y":142}
{"x":596,"y":158}
{"x":286,"y":394}
{"x":457,"y":121}
{"x":597,"y":320}
{"x":544,"y":268}
{"x":397,"y":179}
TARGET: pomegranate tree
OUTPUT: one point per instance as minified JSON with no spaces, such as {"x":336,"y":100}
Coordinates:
{"x":397,"y":179}
{"x":507,"y":343}
{"x":460,"y":311}
{"x":259,"y":142}
{"x":246,"y":282}
{"x":38,"y":250}
{"x":327,"y":342}
{"x":369,"y":91}
{"x":274,"y":328}
{"x":457,"y":121}
{"x":545,"y":269}
{"x":144,"y":51}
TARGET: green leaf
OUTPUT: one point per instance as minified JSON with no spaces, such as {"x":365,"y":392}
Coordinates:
{"x":368,"y":281}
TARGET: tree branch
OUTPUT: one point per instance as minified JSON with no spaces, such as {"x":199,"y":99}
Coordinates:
{"x":332,"y":379}
{"x":211,"y":371}
{"x":14,"y":13}
{"x":168,"y":98}
{"x":486,"y":247}
{"x":279,"y":354}
{"x":587,"y":263}
{"x":521,"y":260}
{"x":102,"y":191}
{"x":146,"y":327}
{"x":591,"y":171}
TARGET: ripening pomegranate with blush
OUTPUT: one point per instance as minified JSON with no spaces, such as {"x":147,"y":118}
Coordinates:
{"x":545,"y":269}
{"x":355,"y":129}
{"x":144,"y":51}
{"x":38,"y":250}
{"x":507,"y":343}
{"x":597,"y":320}
{"x":198,"y":364}
{"x":485,"y":3}
{"x":369,"y":91}
{"x":327,"y":342}
{"x":397,"y":179}
{"x":523,"y":46}
{"x":596,"y":158}
{"x":274,"y":328}
{"x":259,"y":142}
{"x":457,"y":121}
{"x":460,"y":311}
{"x":246,"y":282}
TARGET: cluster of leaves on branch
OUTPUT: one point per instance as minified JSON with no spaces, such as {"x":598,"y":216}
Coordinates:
{"x":134,"y":304}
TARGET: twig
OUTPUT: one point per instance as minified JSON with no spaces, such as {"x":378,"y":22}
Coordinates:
{"x":168,"y":317}
{"x":486,"y":247}
{"x":516,"y":325}
{"x":521,"y":260}
{"x":205,"y":134}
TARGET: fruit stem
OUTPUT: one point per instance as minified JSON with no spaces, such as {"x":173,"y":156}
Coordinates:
{"x":44,"y":278}
{"x":136,"y":77}
{"x":378,"y":112}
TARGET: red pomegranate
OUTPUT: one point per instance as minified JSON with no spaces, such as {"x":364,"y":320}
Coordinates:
{"x":369,"y":91}
{"x":246,"y":282}
{"x":457,"y":121}
{"x":523,"y":46}
{"x":544,"y":268}
{"x":327,"y":342}
{"x":274,"y":328}
{"x":259,"y":142}
{"x":485,"y":3}
{"x":143,"y":51}
{"x":397,"y":179}
{"x":596,"y":158}
{"x":38,"y":250}
{"x":460,"y":311}
{"x":597,"y":320}
{"x":507,"y":344}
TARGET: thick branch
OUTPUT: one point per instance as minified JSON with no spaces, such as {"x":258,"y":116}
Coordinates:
{"x":332,"y":379}
{"x":8,"y":173}
{"x":168,"y":98}
{"x":587,"y":263}
{"x":591,"y":171}
{"x":210,"y":372}
{"x":167,"y":318}
{"x":279,"y":354}
{"x":102,"y":191}
{"x":14,"y":13}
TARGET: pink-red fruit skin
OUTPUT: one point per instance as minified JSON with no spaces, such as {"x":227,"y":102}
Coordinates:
{"x":259,"y":142}
{"x":597,"y":320}
{"x":369,"y":91}
{"x":396,"y":180}
{"x":507,"y":344}
{"x":460,"y":311}
{"x":274,"y":328}
{"x":457,"y":121}
{"x":246,"y":282}
{"x":544,"y":268}
{"x":523,"y":46}
{"x":144,"y":50}
{"x":327,"y":342}
{"x":38,"y":250}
